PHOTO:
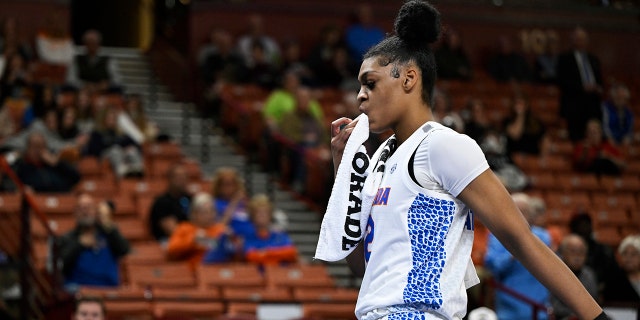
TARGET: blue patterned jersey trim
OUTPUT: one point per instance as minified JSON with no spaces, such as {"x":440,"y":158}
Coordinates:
{"x":429,"y":220}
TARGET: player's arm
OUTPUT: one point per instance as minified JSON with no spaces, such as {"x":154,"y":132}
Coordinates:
{"x":491,"y":202}
{"x":355,"y":260}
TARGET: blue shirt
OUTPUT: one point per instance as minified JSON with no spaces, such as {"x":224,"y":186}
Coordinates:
{"x":95,"y":267}
{"x":510,"y":272}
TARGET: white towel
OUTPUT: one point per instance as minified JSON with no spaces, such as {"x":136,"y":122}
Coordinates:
{"x":354,"y":189}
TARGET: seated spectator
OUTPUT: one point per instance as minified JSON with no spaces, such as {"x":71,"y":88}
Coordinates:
{"x":539,"y":209}
{"x":525,"y":131}
{"x":89,"y":308}
{"x":617,"y":116}
{"x":16,"y":79}
{"x":230,"y":200}
{"x":451,"y":58}
{"x":573,"y":251}
{"x":594,"y":154}
{"x":44,"y":170}
{"x":278,"y":103}
{"x":134,"y":109}
{"x":108,"y":142}
{"x":511,"y":273}
{"x":546,"y":61}
{"x":267,"y":245}
{"x":11,"y":40}
{"x":306,"y":132}
{"x":444,"y":114}
{"x":622,"y":284}
{"x":172,"y":207}
{"x":292,"y":61}
{"x":15,"y":115}
{"x":202,"y":234}
{"x":91,"y":252}
{"x":49,"y":127}
{"x":90,"y":68}
{"x":363,"y":33}
{"x":259,"y":71}
{"x":222,"y":64}
{"x":507,"y":64}
{"x":283,"y":100}
{"x":600,"y":257}
{"x":329,"y":59}
{"x":494,"y":147}
{"x":256,"y":34}
{"x":477,"y":122}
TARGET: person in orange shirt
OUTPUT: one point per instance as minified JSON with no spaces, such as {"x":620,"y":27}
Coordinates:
{"x":268,"y":245}
{"x":202,"y":237}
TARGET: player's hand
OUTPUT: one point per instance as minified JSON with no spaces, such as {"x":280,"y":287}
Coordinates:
{"x":340,"y":132}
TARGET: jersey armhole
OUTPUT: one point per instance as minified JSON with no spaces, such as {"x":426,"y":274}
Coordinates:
{"x":412,"y":173}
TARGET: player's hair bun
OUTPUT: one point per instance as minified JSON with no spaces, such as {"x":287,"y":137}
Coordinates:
{"x":417,"y":23}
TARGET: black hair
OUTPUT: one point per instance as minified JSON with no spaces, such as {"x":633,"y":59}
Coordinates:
{"x":416,"y":27}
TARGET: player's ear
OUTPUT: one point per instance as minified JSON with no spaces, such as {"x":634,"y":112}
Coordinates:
{"x":410,"y":79}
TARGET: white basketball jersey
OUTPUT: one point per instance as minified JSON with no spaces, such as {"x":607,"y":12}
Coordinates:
{"x":418,"y":240}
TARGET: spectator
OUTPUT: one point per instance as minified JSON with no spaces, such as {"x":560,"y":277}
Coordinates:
{"x":91,"y":68}
{"x":451,"y":58}
{"x":525,"y":131}
{"x":202,"y":234}
{"x":622,"y":284}
{"x":108,"y":142}
{"x":444,"y":114}
{"x":494,"y":147}
{"x":12,"y":42}
{"x":617,"y":116}
{"x":172,"y":207}
{"x":255,"y":36}
{"x":230,"y":200}
{"x":134,"y":109}
{"x":89,"y":308}
{"x":600,"y":257}
{"x":507,"y":64}
{"x":16,"y":80}
{"x":43,"y":170}
{"x":477,"y":122}
{"x":278,"y":103}
{"x":329,"y":59}
{"x":539,"y":209}
{"x":90,"y":252}
{"x":580,"y":84}
{"x":283,"y":100}
{"x":510,"y":272}
{"x":222,"y":63}
{"x":292,"y":61}
{"x":306,"y":132}
{"x":573,"y":251}
{"x":15,"y":115}
{"x":267,"y":245}
{"x":597,"y":155}
{"x":546,"y":62}
{"x":259,"y":71}
{"x":363,"y":33}
{"x":49,"y":128}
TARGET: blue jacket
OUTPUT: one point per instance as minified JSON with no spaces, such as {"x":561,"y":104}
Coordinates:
{"x":510,"y":272}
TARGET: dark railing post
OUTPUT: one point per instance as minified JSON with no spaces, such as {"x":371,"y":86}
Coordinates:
{"x":25,"y":261}
{"x":205,"y":129}
{"x":185,"y":124}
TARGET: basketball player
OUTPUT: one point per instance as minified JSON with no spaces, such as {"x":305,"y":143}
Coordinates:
{"x":415,"y":258}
